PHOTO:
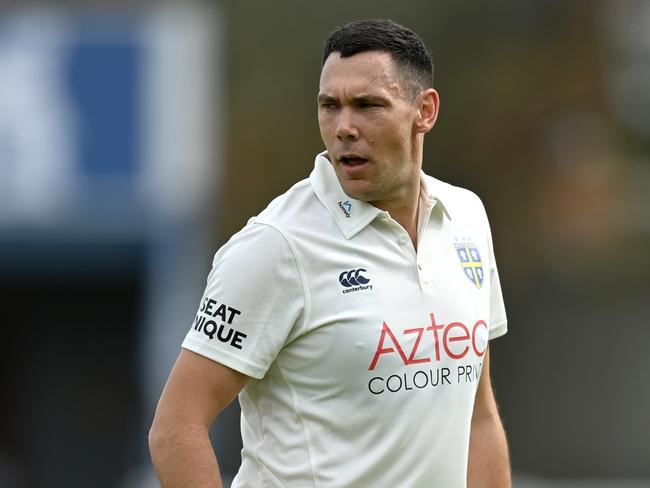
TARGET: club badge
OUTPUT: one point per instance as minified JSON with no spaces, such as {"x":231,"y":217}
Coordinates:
{"x":470,"y":260}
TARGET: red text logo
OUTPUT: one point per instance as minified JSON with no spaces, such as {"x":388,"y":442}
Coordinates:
{"x":456,"y":339}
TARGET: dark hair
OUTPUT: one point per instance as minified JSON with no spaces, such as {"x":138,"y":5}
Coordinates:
{"x":407,"y":50}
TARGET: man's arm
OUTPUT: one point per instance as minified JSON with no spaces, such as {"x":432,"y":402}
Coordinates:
{"x":197,"y":390}
{"x":489,"y":464}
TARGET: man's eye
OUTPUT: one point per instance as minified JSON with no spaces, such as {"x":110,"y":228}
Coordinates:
{"x":368,"y":105}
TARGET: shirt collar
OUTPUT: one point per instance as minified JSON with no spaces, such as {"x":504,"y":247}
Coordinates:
{"x":353,"y":215}
{"x":434,"y":193}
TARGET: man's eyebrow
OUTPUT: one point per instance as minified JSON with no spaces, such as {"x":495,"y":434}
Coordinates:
{"x":370,"y":99}
{"x":360,"y":99}
{"x":326,"y":98}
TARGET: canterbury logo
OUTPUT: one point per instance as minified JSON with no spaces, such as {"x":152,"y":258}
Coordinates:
{"x":353,"y":278}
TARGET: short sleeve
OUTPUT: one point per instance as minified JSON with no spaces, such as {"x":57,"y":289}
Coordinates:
{"x":498,"y":319}
{"x":253,"y":299}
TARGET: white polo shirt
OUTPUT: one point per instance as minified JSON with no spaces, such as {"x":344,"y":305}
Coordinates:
{"x":364,"y":355}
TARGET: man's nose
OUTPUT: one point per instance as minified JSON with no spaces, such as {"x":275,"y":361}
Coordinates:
{"x":346,"y":127}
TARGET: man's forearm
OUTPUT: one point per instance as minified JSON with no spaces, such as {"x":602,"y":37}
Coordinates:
{"x":184,"y":458}
{"x":489,"y":462}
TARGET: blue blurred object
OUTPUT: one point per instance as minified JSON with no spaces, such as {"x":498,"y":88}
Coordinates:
{"x":103,"y":75}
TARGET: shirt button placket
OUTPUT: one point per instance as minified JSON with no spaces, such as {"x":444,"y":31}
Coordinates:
{"x":424,"y":280}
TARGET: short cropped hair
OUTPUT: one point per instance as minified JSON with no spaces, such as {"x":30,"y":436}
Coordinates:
{"x":410,"y":55}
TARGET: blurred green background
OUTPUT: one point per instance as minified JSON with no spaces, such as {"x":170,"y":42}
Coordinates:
{"x":545,"y":114}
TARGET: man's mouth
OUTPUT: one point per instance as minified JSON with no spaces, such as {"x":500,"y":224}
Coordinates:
{"x":352,"y":160}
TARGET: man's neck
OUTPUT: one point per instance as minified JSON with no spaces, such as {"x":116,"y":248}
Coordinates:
{"x":405,"y":212}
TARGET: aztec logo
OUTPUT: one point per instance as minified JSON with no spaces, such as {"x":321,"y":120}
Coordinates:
{"x":470,"y":260}
{"x":353,"y":280}
{"x":346,"y":207}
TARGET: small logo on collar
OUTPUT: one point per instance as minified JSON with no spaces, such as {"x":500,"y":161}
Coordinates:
{"x":346,"y":207}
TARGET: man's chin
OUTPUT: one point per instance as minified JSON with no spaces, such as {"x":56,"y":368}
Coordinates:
{"x":359,"y":188}
{"x":358,"y":192}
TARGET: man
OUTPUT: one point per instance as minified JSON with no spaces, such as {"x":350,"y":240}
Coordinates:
{"x":352,"y":316}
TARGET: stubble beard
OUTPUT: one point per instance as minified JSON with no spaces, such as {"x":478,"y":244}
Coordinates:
{"x":382,"y":191}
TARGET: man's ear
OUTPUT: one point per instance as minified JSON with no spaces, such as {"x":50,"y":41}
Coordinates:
{"x":428,"y":102}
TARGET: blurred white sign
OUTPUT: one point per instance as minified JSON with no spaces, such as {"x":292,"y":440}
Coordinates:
{"x":107,"y":113}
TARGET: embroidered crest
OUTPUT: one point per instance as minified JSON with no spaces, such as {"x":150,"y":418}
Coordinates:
{"x":470,"y":260}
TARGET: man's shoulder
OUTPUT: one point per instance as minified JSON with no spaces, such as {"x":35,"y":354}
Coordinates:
{"x":297,"y":207}
{"x":286,"y":206}
{"x":269,"y":233}
{"x":455,"y":198}
{"x":288,"y":225}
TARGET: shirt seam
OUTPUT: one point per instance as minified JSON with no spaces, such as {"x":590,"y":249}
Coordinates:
{"x":261,"y":466}
{"x":245,"y":392}
{"x":301,"y":273}
{"x":310,"y":447}
{"x":294,"y":254}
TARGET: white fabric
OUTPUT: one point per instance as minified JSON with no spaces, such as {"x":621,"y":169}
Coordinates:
{"x":365,"y":355}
